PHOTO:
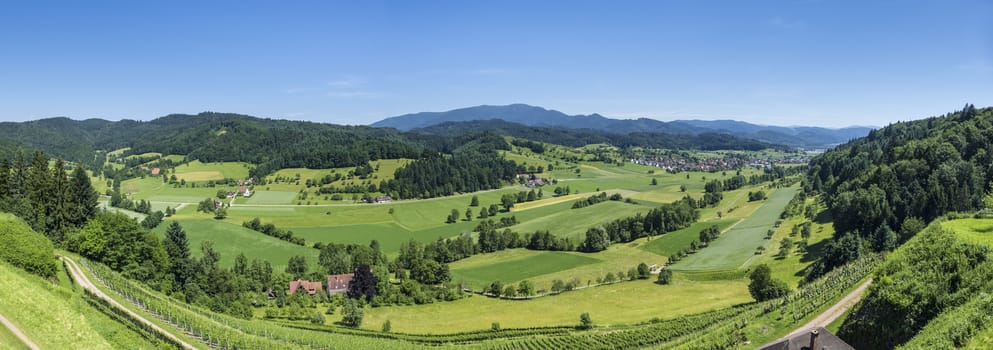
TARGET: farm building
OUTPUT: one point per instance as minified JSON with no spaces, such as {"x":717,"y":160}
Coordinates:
{"x":155,"y":171}
{"x":310,"y":287}
{"x":339,"y":283}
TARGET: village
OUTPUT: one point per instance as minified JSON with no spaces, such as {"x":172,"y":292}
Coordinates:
{"x":675,"y":165}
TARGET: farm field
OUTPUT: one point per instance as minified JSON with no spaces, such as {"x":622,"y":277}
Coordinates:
{"x":197,"y":171}
{"x":516,"y":265}
{"x":230,"y":240}
{"x":620,"y":303}
{"x":974,"y":230}
{"x":672,"y":242}
{"x":735,"y":248}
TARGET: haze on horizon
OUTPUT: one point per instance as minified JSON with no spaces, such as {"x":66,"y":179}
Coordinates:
{"x":805,"y":62}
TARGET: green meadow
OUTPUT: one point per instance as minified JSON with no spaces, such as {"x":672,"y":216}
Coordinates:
{"x":734,"y":248}
{"x":230,"y":239}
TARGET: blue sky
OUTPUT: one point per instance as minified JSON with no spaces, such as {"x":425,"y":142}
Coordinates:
{"x":825,"y":63}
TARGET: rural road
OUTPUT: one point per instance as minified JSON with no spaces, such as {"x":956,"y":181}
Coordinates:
{"x":20,"y":335}
{"x":80,"y":277}
{"x":835,"y":311}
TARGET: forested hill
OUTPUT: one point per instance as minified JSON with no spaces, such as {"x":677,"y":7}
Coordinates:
{"x":807,"y":137}
{"x":580,"y":137}
{"x":880,"y":189}
{"x":271,"y":144}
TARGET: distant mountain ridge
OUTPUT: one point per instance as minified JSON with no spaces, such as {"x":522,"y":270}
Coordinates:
{"x":807,"y":137}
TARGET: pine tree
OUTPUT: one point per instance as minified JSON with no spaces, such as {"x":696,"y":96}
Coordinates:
{"x":57,"y":205}
{"x":82,"y":198}
{"x":4,"y":179}
{"x":37,"y":190}
{"x":178,"y":249}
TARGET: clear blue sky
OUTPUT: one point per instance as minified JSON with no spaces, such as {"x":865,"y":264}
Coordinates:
{"x":827,"y":63}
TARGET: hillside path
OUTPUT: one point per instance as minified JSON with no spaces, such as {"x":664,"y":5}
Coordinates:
{"x":80,"y":277}
{"x":20,"y":335}
{"x":835,"y":311}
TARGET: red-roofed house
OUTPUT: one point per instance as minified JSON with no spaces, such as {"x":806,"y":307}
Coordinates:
{"x":310,"y":287}
{"x":155,"y":171}
{"x":339,"y":283}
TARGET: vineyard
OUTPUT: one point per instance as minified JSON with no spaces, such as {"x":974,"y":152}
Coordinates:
{"x":715,"y":329}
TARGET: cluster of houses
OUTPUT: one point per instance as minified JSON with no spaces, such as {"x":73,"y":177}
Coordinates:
{"x":675,"y":165}
{"x":335,"y":284}
{"x":531,"y":180}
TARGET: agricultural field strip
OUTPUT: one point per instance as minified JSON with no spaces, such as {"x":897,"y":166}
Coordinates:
{"x":80,"y":277}
{"x":17,"y":332}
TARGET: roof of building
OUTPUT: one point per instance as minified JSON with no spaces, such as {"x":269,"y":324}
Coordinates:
{"x":338,"y":282}
{"x":310,"y":287}
{"x":824,"y":340}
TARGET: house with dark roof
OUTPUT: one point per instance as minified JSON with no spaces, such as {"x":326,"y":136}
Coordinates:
{"x":816,"y":339}
{"x":310,"y":287}
{"x":339,"y":283}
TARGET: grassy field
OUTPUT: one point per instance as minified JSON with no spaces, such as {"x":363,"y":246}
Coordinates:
{"x":10,"y":341}
{"x":621,"y":303}
{"x":230,"y":239}
{"x":673,"y":242}
{"x":736,"y":247}
{"x":972,"y":230}
{"x":197,"y":171}
{"x":55,"y":316}
{"x":515,"y":265}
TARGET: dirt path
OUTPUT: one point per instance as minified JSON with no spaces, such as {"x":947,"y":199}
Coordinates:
{"x":80,"y":277}
{"x":20,"y":335}
{"x":835,"y":311}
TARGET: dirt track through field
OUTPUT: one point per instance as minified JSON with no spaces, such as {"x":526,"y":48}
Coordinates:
{"x":20,"y":335}
{"x":80,"y":277}
{"x":835,"y":311}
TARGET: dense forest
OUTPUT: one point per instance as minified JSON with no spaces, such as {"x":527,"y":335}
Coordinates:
{"x":578,"y":138}
{"x":882,"y":188}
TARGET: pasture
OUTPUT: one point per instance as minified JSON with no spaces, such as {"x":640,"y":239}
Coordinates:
{"x":620,"y":303}
{"x":733,"y":249}
{"x":516,"y":265}
{"x":199,"y":172}
{"x":231,"y":238}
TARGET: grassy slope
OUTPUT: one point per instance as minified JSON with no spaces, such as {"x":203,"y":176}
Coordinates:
{"x":230,"y":239}
{"x":55,"y":316}
{"x":515,"y":265}
{"x":737,"y":246}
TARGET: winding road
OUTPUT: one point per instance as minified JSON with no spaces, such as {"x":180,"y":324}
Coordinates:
{"x":835,"y":311}
{"x":80,"y":277}
{"x":20,"y":335}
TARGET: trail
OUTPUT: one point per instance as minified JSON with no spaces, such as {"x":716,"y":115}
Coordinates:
{"x":20,"y":335}
{"x":80,"y":277}
{"x":835,"y":311}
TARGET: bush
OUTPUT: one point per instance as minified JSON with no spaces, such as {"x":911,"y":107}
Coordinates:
{"x":25,"y":248}
{"x":584,"y":321}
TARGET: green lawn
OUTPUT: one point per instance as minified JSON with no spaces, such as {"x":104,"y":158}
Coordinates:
{"x":734,"y":248}
{"x":230,"y":239}
{"x":506,"y":267}
{"x":270,"y":197}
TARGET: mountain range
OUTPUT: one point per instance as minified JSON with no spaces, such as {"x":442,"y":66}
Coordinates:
{"x":803,"y":136}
